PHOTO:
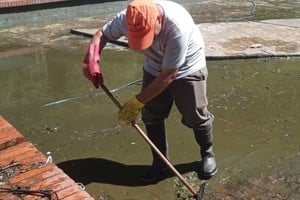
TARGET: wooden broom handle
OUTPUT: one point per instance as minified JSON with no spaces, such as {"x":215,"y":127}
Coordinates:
{"x":143,"y":134}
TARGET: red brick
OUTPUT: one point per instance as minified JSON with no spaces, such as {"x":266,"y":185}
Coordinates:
{"x":58,"y":184}
{"x":81,"y":195}
{"x":69,"y":191}
{"x":9,"y":136}
{"x":13,"y":3}
{"x":8,"y":196}
{"x":31,"y":173}
{"x":3,"y":122}
{"x":50,"y":182}
{"x":37,"y":177}
{"x":27,"y":163}
{"x":8,"y":155}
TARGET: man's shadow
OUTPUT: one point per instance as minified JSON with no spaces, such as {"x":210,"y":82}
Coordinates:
{"x":98,"y":170}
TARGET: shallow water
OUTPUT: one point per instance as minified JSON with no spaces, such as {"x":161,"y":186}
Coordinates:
{"x":255,"y":103}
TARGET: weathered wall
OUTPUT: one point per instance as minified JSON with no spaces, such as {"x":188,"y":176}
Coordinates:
{"x":14,"y":3}
{"x":24,"y":12}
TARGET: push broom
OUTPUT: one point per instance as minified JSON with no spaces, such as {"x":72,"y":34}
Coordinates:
{"x":197,"y":195}
{"x":92,"y":58}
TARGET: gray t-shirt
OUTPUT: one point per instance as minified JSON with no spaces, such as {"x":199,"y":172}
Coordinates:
{"x":178,"y":45}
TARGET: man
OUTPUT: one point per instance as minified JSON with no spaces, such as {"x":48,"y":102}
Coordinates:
{"x":174,"y":71}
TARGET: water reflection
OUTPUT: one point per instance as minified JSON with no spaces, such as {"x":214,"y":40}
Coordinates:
{"x":22,"y":76}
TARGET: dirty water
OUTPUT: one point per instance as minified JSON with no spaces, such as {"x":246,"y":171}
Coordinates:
{"x":255,"y":103}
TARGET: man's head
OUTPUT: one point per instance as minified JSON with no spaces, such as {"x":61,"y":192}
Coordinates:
{"x":141,"y":17}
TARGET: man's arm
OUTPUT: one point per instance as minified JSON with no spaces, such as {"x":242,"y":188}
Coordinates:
{"x":99,"y":38}
{"x":158,"y":84}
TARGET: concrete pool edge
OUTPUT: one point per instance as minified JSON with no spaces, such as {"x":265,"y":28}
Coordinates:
{"x":241,"y":40}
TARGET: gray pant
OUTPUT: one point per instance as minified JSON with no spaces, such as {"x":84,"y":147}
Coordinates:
{"x":189,"y":95}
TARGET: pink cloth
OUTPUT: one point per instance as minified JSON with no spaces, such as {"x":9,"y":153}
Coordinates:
{"x":90,"y":67}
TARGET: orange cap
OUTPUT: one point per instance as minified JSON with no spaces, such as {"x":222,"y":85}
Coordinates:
{"x":141,"y":16}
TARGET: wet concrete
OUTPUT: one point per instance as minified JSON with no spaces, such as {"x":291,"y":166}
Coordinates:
{"x":241,"y":39}
{"x":252,"y":39}
{"x":255,"y":103}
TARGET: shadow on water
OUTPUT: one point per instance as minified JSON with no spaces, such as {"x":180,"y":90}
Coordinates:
{"x":100,"y":170}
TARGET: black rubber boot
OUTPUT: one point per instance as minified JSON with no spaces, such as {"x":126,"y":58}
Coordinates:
{"x":208,"y":166}
{"x":156,"y":133}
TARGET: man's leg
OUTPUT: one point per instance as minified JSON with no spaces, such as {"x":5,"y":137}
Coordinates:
{"x":190,"y":98}
{"x":154,"y":114}
{"x":156,"y":133}
{"x":204,"y":138}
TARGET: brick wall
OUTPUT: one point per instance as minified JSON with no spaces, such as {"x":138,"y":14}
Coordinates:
{"x":55,"y":11}
{"x":14,"y":3}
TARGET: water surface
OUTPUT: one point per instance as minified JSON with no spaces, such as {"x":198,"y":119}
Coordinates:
{"x":255,"y":103}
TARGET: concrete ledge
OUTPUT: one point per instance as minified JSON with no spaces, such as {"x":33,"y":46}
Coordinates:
{"x":242,"y":40}
{"x":269,"y":38}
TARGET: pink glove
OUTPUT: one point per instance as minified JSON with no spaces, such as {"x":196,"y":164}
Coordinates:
{"x":90,"y":67}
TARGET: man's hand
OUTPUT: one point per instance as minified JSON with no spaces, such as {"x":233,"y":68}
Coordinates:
{"x":130,"y":110}
{"x":90,"y":67}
